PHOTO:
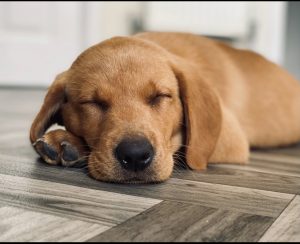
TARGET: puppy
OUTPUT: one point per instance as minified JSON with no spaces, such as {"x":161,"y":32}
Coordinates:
{"x":130,"y":103}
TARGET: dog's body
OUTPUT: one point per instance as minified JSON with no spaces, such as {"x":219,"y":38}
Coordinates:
{"x":150,"y":84}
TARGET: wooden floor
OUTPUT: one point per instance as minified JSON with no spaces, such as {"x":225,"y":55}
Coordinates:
{"x":38,"y":202}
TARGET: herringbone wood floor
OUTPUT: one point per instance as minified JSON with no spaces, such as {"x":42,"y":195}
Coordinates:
{"x":38,"y":202}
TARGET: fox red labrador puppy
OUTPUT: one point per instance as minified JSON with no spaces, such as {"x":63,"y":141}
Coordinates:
{"x":129,"y":103}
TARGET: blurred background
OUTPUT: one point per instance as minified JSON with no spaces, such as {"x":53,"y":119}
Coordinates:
{"x":40,"y":39}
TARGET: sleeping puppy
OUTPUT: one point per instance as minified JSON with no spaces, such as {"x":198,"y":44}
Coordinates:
{"x":129,"y":103}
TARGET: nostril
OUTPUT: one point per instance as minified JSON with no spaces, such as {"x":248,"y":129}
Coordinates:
{"x":145,"y":157}
{"x":147,"y":160}
{"x":134,"y":154}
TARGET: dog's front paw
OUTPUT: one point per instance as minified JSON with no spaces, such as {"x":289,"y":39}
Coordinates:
{"x":61,"y":147}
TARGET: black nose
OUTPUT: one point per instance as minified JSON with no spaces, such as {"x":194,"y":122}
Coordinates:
{"x":134,"y":154}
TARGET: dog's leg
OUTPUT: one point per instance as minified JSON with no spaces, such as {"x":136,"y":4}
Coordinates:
{"x":62,"y":147}
{"x":232,"y":145}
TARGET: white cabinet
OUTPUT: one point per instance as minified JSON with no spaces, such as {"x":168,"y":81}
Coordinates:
{"x":229,"y":19}
{"x":255,"y":25}
{"x":40,"y":39}
{"x":37,"y":40}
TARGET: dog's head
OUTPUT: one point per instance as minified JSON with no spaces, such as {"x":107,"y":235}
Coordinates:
{"x":133,"y":102}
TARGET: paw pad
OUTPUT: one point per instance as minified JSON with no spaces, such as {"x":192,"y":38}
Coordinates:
{"x":69,"y":154}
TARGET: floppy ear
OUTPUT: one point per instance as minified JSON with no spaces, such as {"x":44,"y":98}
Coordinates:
{"x":202,"y":112}
{"x":49,"y":112}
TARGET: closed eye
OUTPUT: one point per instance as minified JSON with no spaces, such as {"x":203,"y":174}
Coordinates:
{"x":103,"y":105}
{"x":157,"y":98}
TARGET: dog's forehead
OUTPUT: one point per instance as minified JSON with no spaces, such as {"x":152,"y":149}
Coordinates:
{"x":122,"y":63}
{"x":119,"y":52}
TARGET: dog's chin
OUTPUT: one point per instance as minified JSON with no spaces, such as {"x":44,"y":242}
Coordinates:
{"x":134,"y":181}
{"x":129,"y":178}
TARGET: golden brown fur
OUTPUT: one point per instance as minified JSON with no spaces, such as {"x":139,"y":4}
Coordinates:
{"x":174,"y":89}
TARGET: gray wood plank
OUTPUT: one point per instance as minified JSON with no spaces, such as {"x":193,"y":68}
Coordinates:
{"x":18,"y":109}
{"x":267,"y":163}
{"x":89,"y":205}
{"x":20,"y":225}
{"x":243,"y":178}
{"x":174,"y":221}
{"x":213,"y":195}
{"x":292,"y":150}
{"x":267,"y":156}
{"x":269,"y":170}
{"x":287,"y":227}
{"x":246,"y":200}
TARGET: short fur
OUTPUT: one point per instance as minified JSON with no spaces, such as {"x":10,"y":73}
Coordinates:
{"x":177,"y":90}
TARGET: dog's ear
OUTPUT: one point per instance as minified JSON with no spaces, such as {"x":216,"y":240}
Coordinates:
{"x":50,"y":111}
{"x":202,"y":113}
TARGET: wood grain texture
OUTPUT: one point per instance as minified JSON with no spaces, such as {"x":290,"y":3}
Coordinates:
{"x":287,"y":227}
{"x":292,"y":150}
{"x":246,"y":200}
{"x":21,"y":225}
{"x":89,"y":205}
{"x":226,"y":202}
{"x":173,"y":221}
{"x":268,"y":163}
{"x":275,"y":158}
{"x":237,"y":177}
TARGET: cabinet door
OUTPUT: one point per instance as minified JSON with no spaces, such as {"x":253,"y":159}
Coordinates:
{"x":37,"y":40}
{"x":198,"y":17}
